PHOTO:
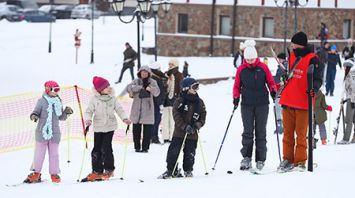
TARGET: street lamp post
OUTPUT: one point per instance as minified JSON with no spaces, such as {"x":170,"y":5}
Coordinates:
{"x":50,"y":29}
{"x":296,"y":4}
{"x":155,"y":7}
{"x":92,"y":32}
{"x":141,"y":14}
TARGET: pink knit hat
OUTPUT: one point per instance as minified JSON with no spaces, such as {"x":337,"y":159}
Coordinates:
{"x":51,"y":84}
{"x":100,"y":83}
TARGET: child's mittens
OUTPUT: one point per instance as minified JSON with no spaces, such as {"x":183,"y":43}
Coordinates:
{"x":68,"y":110}
{"x":127,"y":121}
{"x":329,"y":108}
{"x":34,"y":117}
{"x":88,"y":122}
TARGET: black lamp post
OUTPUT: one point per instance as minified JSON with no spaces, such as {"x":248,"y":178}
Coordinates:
{"x":155,"y":7}
{"x":286,"y":3}
{"x":50,"y":29}
{"x":141,"y":13}
{"x":92,"y":32}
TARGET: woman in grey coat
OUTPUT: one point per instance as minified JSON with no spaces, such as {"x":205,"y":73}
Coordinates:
{"x":142,"y":90}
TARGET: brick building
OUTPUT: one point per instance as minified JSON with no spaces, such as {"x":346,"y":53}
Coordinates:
{"x":187,"y":29}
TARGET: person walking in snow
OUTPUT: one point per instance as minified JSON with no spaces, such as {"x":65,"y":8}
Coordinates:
{"x":279,"y":78}
{"x":238,"y":57}
{"x":350,"y":100}
{"x":161,"y":79}
{"x":323,"y":33}
{"x":349,"y":50}
{"x":250,"y":83}
{"x":142,"y":90}
{"x":173,"y":90}
{"x":129,"y":55}
{"x":294,"y":100}
{"x":101,"y":114}
{"x":320,"y":108}
{"x":185,"y":71}
{"x":189,"y":116}
{"x":47,"y":113}
{"x":333,"y":60}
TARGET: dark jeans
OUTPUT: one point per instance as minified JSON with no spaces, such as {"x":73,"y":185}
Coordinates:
{"x":157,"y":120}
{"x":189,"y":153}
{"x":102,"y":154}
{"x":329,"y":85}
{"x":147,"y":132}
{"x":254,"y":118}
{"x":124,"y":68}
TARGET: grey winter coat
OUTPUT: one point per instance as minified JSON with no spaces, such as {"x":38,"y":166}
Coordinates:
{"x":101,"y":110}
{"x":41,"y":111}
{"x":142,"y":111}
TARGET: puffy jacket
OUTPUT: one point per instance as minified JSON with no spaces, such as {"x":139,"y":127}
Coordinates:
{"x":350,"y":85}
{"x":101,"y":110}
{"x":250,"y":81}
{"x":319,"y":108}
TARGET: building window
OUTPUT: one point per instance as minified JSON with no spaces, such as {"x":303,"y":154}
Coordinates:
{"x":347,"y":28}
{"x":182,"y":23}
{"x":224,"y":25}
{"x":268,"y":27}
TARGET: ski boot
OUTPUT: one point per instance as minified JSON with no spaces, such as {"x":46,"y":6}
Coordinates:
{"x":245,"y":164}
{"x":169,"y":174}
{"x":33,"y":178}
{"x":107,"y":174}
{"x":260,"y":165}
{"x":55,"y":178}
{"x":301,"y":167}
{"x":94,"y":176}
{"x":324,"y":141}
{"x":353,"y":140}
{"x":188,"y":174}
{"x":285,"y":166}
{"x":343,"y":142}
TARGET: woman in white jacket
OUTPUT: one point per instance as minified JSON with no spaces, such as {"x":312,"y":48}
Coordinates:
{"x":101,"y":112}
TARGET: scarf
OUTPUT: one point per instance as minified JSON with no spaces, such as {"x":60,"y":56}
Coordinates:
{"x":55,"y":102}
{"x":189,"y":99}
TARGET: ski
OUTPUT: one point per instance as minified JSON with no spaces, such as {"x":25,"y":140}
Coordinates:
{"x":310,"y":117}
{"x":255,"y":171}
{"x":340,"y":115}
{"x":283,"y":67}
{"x":23,"y":183}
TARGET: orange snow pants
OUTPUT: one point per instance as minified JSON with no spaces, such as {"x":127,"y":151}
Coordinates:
{"x":295,"y":121}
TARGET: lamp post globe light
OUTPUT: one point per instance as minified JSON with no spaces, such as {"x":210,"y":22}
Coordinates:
{"x":142,"y":13}
{"x":292,"y":3}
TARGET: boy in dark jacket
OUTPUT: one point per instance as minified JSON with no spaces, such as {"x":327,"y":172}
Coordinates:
{"x":189,"y":113}
{"x":333,"y":60}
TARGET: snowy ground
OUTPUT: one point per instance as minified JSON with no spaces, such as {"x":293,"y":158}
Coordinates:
{"x":26,"y":65}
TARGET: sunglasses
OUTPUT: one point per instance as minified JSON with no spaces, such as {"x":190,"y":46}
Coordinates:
{"x":54,"y":89}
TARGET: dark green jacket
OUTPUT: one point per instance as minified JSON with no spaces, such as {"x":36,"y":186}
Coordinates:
{"x":319,"y":108}
{"x":129,"y":55}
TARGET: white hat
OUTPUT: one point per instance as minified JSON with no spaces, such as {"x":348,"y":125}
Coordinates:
{"x":174,"y":62}
{"x":154,"y":65}
{"x":250,"y":51}
{"x":241,"y":46}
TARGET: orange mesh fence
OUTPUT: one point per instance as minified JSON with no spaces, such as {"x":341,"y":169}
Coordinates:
{"x":17,"y":131}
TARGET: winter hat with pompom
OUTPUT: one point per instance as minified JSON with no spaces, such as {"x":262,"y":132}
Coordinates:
{"x":100,"y":83}
{"x":250,"y":51}
{"x":241,"y":46}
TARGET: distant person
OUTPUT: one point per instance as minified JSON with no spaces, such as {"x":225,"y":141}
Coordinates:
{"x":320,"y":108}
{"x":48,"y":112}
{"x":348,"y":51}
{"x":251,"y":82}
{"x":161,"y":79}
{"x":239,"y":57}
{"x":185,"y":71}
{"x":129,"y":55}
{"x":323,"y":33}
{"x":100,"y":113}
{"x":333,"y":60}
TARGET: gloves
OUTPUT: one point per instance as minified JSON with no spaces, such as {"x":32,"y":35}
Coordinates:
{"x":273,"y":95}
{"x":145,"y":83}
{"x":88,"y":122}
{"x":352,"y":105}
{"x":68,"y":110}
{"x":197,"y":125}
{"x":284,"y":78}
{"x":311,"y":92}
{"x":34,"y":117}
{"x":329,"y":108}
{"x":236,"y":102}
{"x":189,"y":130}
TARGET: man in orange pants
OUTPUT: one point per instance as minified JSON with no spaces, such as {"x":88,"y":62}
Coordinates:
{"x":295,"y":104}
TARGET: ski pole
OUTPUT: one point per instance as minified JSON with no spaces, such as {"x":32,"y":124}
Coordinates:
{"x":81,"y":113}
{"x":277,"y":134}
{"x":202,"y":153}
{"x":224,"y":137}
{"x":125,"y":152}
{"x":177,"y":159}
{"x":68,"y":137}
{"x":84,"y":151}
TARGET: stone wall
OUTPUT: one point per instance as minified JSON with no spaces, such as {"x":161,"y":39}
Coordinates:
{"x":248,"y":24}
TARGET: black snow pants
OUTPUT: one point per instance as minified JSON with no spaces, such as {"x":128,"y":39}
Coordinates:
{"x":102,"y":153}
{"x":189,"y":153}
